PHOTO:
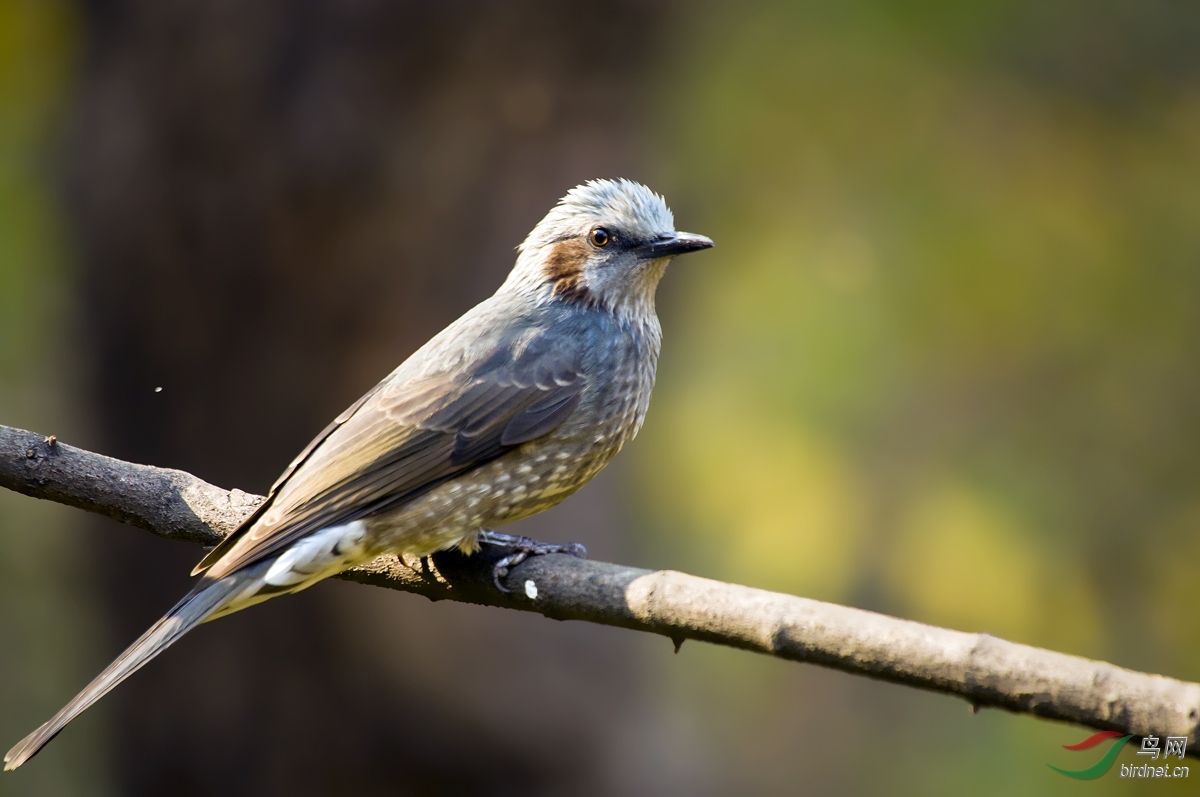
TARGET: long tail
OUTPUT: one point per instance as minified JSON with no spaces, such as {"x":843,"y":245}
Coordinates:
{"x":194,"y":609}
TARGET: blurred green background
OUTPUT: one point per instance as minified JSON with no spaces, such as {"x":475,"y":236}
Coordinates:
{"x":942,"y":364}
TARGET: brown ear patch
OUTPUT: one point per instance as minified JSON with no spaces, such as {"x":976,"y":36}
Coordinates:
{"x":564,"y":268}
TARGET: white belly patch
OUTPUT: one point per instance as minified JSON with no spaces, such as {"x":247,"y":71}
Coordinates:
{"x":318,"y":556}
{"x":309,"y":560}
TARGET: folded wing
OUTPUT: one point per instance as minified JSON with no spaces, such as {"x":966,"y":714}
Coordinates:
{"x":405,"y":437}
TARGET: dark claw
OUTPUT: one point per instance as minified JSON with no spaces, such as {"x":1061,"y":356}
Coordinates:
{"x":501,"y":569}
{"x":524,"y":548}
{"x":574,"y":549}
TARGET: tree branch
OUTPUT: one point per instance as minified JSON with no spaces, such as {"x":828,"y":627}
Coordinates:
{"x":982,"y":669}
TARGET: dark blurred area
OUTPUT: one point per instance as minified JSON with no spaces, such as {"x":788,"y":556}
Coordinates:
{"x":274,"y":205}
{"x":941,"y":365}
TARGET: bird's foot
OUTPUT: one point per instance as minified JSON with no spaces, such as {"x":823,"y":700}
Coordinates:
{"x":523,"y":548}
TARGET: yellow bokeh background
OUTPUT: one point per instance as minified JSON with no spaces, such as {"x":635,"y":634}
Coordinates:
{"x":942,"y":362}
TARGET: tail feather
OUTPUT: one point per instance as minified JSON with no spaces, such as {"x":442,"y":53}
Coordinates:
{"x":186,"y":615}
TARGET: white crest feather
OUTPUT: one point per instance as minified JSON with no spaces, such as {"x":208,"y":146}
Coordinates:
{"x":621,"y":203}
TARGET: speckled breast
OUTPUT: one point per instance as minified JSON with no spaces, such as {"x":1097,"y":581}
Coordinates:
{"x":537,"y":475}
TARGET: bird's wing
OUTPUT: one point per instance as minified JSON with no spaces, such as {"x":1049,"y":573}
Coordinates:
{"x":223,"y":547}
{"x":405,"y":437}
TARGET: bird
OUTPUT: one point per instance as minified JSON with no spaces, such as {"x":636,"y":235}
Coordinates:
{"x":503,"y":414}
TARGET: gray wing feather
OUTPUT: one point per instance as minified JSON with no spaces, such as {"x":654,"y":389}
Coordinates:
{"x":223,"y":547}
{"x":316,"y":441}
{"x":406,"y":437}
{"x":541,"y":418}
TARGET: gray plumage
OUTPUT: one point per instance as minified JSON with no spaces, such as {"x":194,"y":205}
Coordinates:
{"x":504,"y":413}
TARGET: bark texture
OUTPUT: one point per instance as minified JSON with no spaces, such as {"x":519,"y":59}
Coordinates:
{"x":982,"y":669}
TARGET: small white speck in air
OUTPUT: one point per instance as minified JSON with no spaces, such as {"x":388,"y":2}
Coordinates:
{"x":530,"y":589}
{"x":158,"y":390}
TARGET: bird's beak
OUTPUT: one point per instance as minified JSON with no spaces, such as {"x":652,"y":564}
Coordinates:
{"x":671,"y":244}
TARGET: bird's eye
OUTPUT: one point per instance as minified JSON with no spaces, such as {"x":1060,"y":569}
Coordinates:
{"x":600,"y":236}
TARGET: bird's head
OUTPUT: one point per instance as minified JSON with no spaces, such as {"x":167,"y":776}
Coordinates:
{"x":605,"y":244}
